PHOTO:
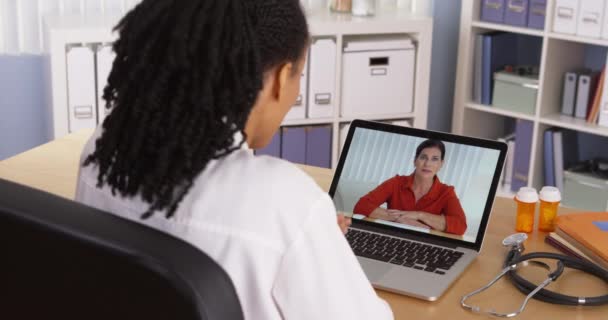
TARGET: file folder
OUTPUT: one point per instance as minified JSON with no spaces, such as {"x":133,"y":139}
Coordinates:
{"x":273,"y":148}
{"x":586,"y":86}
{"x":565,"y":16}
{"x":590,"y":18}
{"x":569,"y":93}
{"x":298,"y":110}
{"x":322,"y":83}
{"x":318,"y":146}
{"x":293,"y":144}
{"x":81,"y":88}
{"x":523,"y":149}
{"x":105,"y":58}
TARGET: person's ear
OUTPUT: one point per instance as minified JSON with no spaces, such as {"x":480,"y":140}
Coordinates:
{"x":282,"y":76}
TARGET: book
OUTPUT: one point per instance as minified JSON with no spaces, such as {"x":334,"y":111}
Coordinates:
{"x":564,"y":246}
{"x":591,"y":256}
{"x":588,"y":232}
{"x":597,"y":98}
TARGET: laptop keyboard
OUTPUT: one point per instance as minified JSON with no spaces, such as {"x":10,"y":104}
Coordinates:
{"x":402,"y":252}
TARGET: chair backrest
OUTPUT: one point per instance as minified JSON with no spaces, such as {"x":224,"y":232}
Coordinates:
{"x":63,"y":260}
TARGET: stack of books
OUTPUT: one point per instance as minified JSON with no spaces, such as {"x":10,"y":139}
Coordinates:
{"x":582,"y":235}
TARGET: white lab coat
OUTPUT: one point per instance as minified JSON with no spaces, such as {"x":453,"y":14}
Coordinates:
{"x":270,"y":227}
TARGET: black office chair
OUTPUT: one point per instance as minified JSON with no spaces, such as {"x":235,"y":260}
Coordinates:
{"x":63,"y":260}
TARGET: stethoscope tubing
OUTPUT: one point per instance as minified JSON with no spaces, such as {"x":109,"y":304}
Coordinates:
{"x":525,"y":286}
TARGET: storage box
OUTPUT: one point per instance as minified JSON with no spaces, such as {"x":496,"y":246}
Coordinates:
{"x":514,"y":92}
{"x":516,"y":12}
{"x":493,"y":10}
{"x":585,"y":191}
{"x":565,"y":16}
{"x":537,"y":13}
{"x":378,"y":76}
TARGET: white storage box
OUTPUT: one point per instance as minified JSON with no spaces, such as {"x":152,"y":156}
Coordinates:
{"x":378,"y":76}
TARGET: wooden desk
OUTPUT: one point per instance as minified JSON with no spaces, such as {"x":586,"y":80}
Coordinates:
{"x":53,"y":167}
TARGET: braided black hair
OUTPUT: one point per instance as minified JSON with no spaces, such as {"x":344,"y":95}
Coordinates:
{"x":185,"y":78}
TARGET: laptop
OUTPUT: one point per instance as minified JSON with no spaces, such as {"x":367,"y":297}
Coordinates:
{"x":399,"y":250}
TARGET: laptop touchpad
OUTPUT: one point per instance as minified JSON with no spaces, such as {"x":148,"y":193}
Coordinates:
{"x":374,"y":270}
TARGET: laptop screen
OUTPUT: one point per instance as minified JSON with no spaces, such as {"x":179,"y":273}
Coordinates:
{"x":417,"y":180}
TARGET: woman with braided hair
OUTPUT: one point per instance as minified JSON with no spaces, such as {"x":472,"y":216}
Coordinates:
{"x":195,"y":85}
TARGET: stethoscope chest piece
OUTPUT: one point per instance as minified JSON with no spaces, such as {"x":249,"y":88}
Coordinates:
{"x":515,"y":240}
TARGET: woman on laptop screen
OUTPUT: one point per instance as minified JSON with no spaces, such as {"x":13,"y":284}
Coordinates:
{"x":195,"y":85}
{"x":419,"y":199}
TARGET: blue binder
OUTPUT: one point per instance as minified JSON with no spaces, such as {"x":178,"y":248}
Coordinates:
{"x":549,"y":159}
{"x":293,"y":144}
{"x":523,"y":149}
{"x":318,"y":146}
{"x":273,"y":148}
{"x":499,"y":49}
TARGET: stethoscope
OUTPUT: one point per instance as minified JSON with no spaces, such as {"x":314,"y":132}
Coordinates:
{"x":515,"y":256}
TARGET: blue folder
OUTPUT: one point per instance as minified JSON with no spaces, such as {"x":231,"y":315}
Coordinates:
{"x":549,"y":159}
{"x":318,"y":146}
{"x":499,"y":49}
{"x":523,"y":149}
{"x":293,"y":144}
{"x":273,"y":148}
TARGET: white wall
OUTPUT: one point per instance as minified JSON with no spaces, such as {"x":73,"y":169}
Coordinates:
{"x":21,"y":21}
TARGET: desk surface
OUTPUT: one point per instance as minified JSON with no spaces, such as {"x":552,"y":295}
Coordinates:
{"x":53,"y":167}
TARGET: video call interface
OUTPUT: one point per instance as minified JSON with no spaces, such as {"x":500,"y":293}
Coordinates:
{"x":414,"y":183}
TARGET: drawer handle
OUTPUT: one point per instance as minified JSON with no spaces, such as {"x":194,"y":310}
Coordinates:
{"x":591,"y":17}
{"x":519,"y":8}
{"x":539,"y":11}
{"x":493,"y":5}
{"x":323,"y":98}
{"x":565,"y":13}
{"x":530,"y":86}
{"x":83,"y":112}
{"x":379,"y":72}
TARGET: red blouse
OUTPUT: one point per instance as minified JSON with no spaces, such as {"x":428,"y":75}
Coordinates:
{"x":398,"y":194}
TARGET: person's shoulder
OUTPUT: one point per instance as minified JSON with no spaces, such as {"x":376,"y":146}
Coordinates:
{"x":279,"y":177}
{"x":446,"y":189}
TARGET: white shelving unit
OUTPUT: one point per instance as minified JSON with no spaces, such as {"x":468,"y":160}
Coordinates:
{"x":560,"y":53}
{"x":420,"y":29}
{"x":65,"y":31}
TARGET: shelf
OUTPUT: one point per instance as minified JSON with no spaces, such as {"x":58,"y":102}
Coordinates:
{"x":508,"y":28}
{"x":324,"y":22}
{"x":578,"y":39}
{"x":379,"y":117}
{"x":567,"y":122}
{"x":498,"y":111}
{"x":306,"y":122}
